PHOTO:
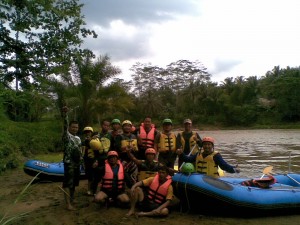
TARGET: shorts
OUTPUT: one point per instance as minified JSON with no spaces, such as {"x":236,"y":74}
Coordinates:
{"x":147,"y":206}
{"x":113,"y":194}
{"x":71,"y":175}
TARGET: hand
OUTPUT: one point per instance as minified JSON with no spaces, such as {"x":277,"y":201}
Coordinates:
{"x":95,"y":164}
{"x":236,"y":169}
{"x":65,"y":109}
{"x":179,"y":151}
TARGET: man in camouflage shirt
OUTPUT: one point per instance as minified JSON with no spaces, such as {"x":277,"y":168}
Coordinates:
{"x":72,"y":158}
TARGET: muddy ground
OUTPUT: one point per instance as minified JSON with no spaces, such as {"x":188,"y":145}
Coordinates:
{"x":44,"y":203}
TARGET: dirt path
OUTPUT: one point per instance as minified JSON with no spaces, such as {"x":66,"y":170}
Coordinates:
{"x":44,"y":202}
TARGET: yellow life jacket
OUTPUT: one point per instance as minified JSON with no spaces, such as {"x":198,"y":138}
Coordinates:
{"x":129,"y":142}
{"x":146,"y":170}
{"x":207,"y":165}
{"x":167,"y":143}
{"x":191,"y":141}
{"x":105,"y":142}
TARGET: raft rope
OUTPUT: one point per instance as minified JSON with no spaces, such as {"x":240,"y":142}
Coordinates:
{"x":186,"y":194}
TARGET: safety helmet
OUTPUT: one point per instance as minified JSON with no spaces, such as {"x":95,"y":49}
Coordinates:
{"x":167,"y":121}
{"x":112,"y":153}
{"x":150,"y":151}
{"x":208,"y":139}
{"x":115,"y":121}
{"x":88,"y":129}
{"x":95,"y":144}
{"x":126,"y":122}
{"x":188,"y":168}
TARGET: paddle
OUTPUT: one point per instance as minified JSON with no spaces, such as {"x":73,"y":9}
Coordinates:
{"x":267,"y":171}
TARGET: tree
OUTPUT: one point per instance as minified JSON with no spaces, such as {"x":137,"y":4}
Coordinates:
{"x":87,"y":95}
{"x":40,"y":38}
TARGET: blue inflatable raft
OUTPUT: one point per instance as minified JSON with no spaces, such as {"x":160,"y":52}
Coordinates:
{"x":47,"y":171}
{"x":226,"y":196}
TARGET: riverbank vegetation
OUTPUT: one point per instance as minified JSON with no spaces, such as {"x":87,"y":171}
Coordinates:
{"x":47,"y":69}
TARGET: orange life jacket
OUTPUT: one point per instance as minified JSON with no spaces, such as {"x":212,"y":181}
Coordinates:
{"x":107,"y":179}
{"x":158,"y":192}
{"x":147,"y":138}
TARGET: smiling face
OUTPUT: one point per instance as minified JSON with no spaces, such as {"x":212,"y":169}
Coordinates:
{"x":105,"y":126}
{"x":147,"y":123}
{"x":127,"y":128}
{"x":73,"y":128}
{"x":208,"y":147}
{"x":187,"y":127}
{"x":167,"y":127}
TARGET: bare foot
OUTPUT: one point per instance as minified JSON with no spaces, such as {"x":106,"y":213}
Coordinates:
{"x":71,"y":208}
{"x":140,"y":214}
{"x":131,"y":212}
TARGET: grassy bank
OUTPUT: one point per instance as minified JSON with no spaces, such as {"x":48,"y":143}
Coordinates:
{"x":21,"y":140}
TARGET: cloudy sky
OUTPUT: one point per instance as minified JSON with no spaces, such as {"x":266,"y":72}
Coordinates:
{"x":229,"y":37}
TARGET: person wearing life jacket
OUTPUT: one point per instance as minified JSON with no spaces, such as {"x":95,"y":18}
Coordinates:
{"x":148,"y":167}
{"x":112,"y":183}
{"x":145,"y":135}
{"x":104,"y":142}
{"x":264,"y":182}
{"x":165,"y":144}
{"x":116,"y":130}
{"x":208,"y":160}
{"x":127,"y":142}
{"x":88,"y":157}
{"x":154,"y":201}
{"x":188,"y":140}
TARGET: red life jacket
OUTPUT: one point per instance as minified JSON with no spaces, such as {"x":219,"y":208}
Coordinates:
{"x":261,"y":183}
{"x":147,"y":139}
{"x":158,"y":192}
{"x":107,"y":179}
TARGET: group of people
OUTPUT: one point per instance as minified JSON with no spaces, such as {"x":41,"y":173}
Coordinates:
{"x":135,"y":160}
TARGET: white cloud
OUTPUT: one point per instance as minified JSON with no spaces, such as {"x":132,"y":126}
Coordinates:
{"x":231,"y":37}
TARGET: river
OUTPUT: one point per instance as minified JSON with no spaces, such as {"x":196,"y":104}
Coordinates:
{"x":253,"y":150}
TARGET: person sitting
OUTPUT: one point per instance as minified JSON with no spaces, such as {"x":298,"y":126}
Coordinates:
{"x":208,"y":160}
{"x":112,"y":184}
{"x":148,"y":167}
{"x":157,"y":198}
{"x":264,"y":182}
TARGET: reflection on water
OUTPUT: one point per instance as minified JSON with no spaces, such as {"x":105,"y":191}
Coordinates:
{"x":253,"y":150}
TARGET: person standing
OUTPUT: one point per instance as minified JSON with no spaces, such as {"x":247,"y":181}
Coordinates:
{"x":72,"y":158}
{"x":88,"y":157}
{"x":165,"y":145}
{"x":103,"y":140}
{"x":116,"y":130}
{"x":145,"y":134}
{"x":123,"y":143}
{"x":188,"y":140}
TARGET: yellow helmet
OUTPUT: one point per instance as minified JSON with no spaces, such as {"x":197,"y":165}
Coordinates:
{"x":88,"y":129}
{"x":95,"y":144}
{"x":126,"y":122}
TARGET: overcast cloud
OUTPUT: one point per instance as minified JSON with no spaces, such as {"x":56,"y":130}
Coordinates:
{"x":230,"y":37}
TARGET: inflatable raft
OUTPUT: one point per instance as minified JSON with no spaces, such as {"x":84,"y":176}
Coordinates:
{"x":227,"y":196}
{"x":47,"y":171}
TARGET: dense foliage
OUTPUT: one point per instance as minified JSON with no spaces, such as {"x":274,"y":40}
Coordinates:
{"x":40,"y":50}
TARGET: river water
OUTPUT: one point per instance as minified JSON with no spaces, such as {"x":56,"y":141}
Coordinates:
{"x":253,"y":150}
